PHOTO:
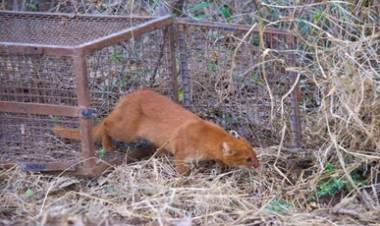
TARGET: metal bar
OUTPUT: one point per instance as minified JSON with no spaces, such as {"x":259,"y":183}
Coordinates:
{"x":178,"y":20}
{"x":81,"y":86}
{"x":99,"y":168}
{"x":58,"y":50}
{"x":295,"y":122}
{"x":172,"y":60}
{"x":13,"y":48}
{"x":295,"y":115}
{"x":42,"y":109}
{"x":184,"y":70}
{"x":72,"y":15}
{"x":47,"y":166}
{"x":109,"y":161}
{"x":231,"y":27}
{"x":126,"y":34}
{"x":40,"y":166}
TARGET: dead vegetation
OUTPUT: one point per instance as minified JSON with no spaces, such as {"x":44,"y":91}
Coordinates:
{"x":149,"y":193}
{"x":332,"y":180}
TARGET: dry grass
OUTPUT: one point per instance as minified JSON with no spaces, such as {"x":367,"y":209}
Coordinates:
{"x":333,"y":180}
{"x":149,"y":193}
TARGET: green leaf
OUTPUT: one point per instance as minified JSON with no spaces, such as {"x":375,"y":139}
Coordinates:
{"x":331,"y":187}
{"x":199,"y":10}
{"x":54,"y":119}
{"x":317,"y":17}
{"x":153,"y":4}
{"x":304,"y":28}
{"x":329,"y":168}
{"x":201,"y":17}
{"x":226,"y":12}
{"x":101,"y":153}
{"x":255,"y":40}
{"x":358,"y":179}
{"x":181,"y":95}
{"x":212,"y":67}
{"x":116,"y":56}
{"x":32,"y":6}
{"x":200,"y":6}
{"x":255,"y":78}
{"x":279,"y":206}
{"x":29,"y":193}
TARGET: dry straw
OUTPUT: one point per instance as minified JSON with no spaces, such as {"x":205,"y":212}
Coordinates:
{"x":150,"y":193}
{"x":339,"y":73}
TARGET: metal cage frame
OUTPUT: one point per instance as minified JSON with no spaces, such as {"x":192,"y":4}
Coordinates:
{"x":90,"y":166}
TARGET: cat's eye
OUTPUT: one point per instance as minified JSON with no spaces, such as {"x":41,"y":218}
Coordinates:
{"x":249,"y":159}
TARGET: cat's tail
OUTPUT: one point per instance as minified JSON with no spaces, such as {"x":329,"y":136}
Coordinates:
{"x":98,"y":132}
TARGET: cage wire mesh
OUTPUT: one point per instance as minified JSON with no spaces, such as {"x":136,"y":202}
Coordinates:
{"x":37,"y":79}
{"x":28,"y":137}
{"x":42,"y":79}
{"x":227,"y":83}
{"x":131,"y":65}
{"x":232,"y":80}
{"x":60,"y":29}
{"x":135,"y":64}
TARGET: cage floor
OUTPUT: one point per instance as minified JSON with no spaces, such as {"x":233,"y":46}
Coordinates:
{"x":27,"y":137}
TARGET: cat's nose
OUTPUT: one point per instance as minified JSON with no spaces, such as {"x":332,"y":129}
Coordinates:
{"x":255,"y":163}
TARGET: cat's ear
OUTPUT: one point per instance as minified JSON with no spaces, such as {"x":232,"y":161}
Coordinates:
{"x":234,"y":133}
{"x":227,"y":151}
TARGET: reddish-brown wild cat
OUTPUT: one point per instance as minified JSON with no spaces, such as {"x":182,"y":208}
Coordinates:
{"x":148,"y":115}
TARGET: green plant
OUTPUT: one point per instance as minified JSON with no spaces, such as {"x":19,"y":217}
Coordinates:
{"x":211,"y":66}
{"x":334,"y":185}
{"x":329,"y":168}
{"x":54,"y":119}
{"x":317,"y":17}
{"x":117,"y":56}
{"x":154,"y":3}
{"x":32,"y":6}
{"x":101,"y":153}
{"x":279,"y":206}
{"x":255,"y":78}
{"x":358,"y":179}
{"x":255,"y":40}
{"x":330,"y":187}
{"x":226,"y":12}
{"x":181,"y":95}
{"x":304,"y":28}
{"x":29,"y":193}
{"x":199,"y":10}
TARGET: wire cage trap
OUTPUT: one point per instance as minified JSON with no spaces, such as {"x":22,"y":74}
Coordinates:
{"x":63,"y":69}
{"x":55,"y":68}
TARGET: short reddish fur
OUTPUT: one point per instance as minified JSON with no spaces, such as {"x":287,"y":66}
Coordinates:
{"x":148,"y":115}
